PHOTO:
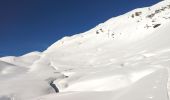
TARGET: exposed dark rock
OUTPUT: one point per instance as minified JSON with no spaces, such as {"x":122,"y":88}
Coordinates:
{"x":138,"y":13}
{"x":157,"y":11}
{"x":151,"y":15}
{"x":133,"y":16}
{"x":97,"y":32}
{"x":54,"y":86}
{"x":156,"y":25}
{"x":101,"y":30}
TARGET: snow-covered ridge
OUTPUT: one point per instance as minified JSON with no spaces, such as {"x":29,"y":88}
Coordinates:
{"x":136,"y":24}
{"x":124,"y":58}
{"x":24,"y":61}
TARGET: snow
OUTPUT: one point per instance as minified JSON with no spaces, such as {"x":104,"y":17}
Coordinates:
{"x":151,"y":87}
{"x":116,"y":60}
{"x":24,"y":61}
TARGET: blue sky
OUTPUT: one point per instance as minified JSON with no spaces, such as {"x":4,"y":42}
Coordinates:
{"x":33,"y":25}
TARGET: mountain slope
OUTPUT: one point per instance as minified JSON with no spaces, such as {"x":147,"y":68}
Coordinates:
{"x":126,"y":55}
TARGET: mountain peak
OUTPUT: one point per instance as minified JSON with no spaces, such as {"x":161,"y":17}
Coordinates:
{"x":128,"y":27}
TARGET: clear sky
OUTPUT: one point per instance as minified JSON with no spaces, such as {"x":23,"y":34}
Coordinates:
{"x":33,"y":25}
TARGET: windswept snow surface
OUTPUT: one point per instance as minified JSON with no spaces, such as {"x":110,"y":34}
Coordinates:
{"x":124,"y":58}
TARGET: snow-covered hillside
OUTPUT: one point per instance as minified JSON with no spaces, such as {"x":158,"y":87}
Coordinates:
{"x":124,"y":58}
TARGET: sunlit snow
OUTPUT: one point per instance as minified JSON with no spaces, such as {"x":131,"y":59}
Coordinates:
{"x":124,"y":58}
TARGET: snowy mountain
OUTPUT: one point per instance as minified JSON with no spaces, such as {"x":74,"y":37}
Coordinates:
{"x":125,"y":58}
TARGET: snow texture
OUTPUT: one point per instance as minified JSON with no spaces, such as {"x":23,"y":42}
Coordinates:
{"x":125,"y":58}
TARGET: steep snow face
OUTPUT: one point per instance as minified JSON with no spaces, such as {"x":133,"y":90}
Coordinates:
{"x":126,"y":57}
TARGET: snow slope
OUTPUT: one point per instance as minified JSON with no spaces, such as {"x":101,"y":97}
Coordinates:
{"x":24,"y":61}
{"x":124,"y":58}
